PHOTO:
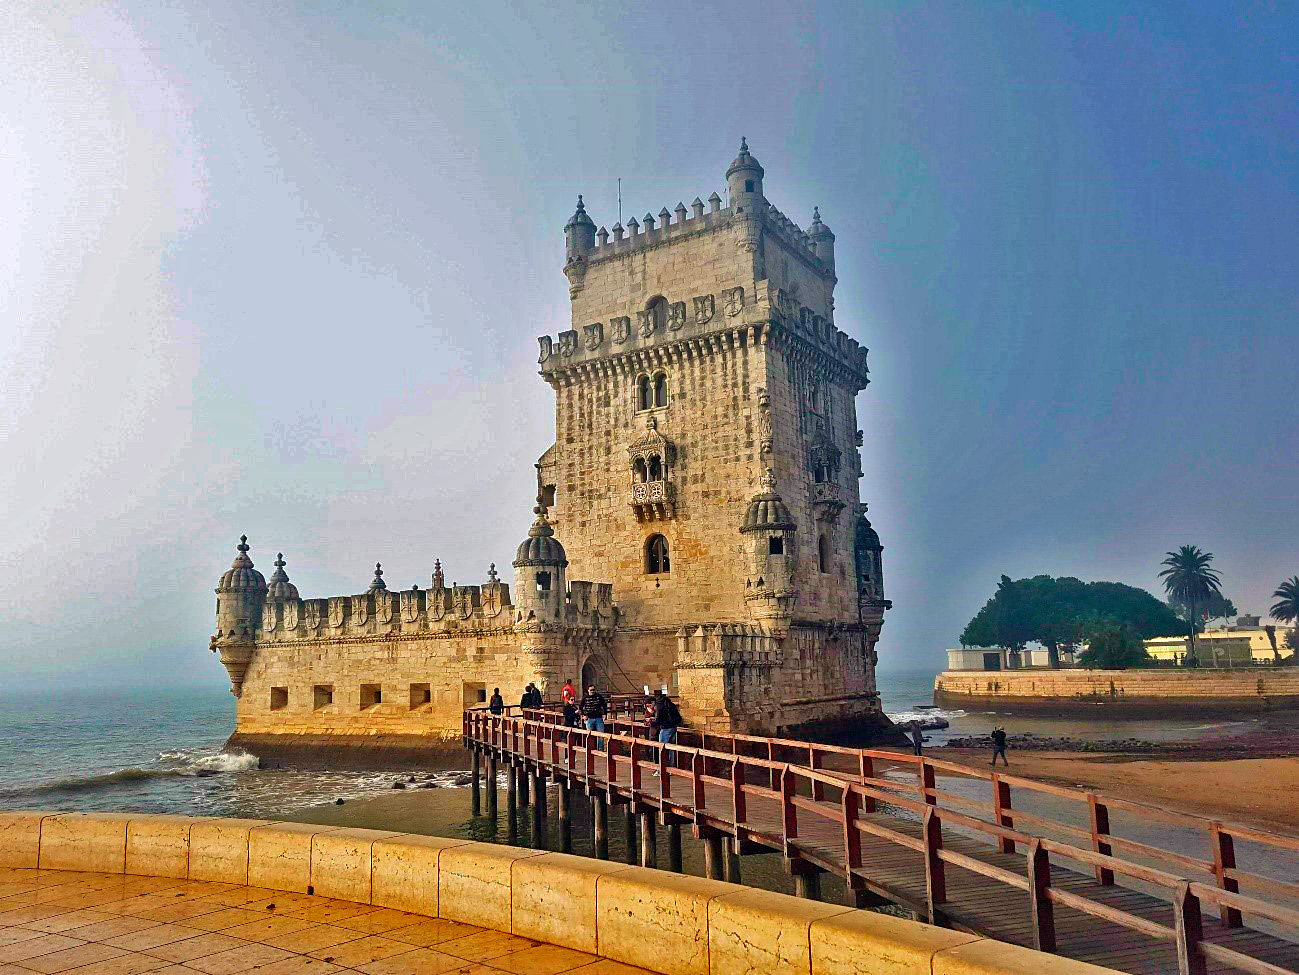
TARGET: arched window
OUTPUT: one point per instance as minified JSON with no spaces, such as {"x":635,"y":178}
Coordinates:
{"x":661,"y":389}
{"x":543,"y":582}
{"x":656,"y":556}
{"x":816,"y":400}
{"x":658,"y":309}
{"x":655,"y":468}
{"x":638,"y":470}
{"x":776,"y":545}
{"x":822,"y":553}
{"x":644,"y":393}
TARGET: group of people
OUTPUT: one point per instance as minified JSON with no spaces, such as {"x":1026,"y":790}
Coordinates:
{"x":661,"y":713}
{"x":998,"y":742}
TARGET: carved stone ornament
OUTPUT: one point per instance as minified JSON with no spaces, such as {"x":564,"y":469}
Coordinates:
{"x":383,"y":608}
{"x":312,"y":613}
{"x":805,"y":318}
{"x":360,"y":610}
{"x":491,"y":596}
{"x":734,"y":299}
{"x":779,"y":300}
{"x":765,"y":435}
{"x":676,"y":316}
{"x":645,"y":323}
{"x":463,"y":599}
{"x":621,"y":329}
{"x":410,"y":606}
{"x":269,"y":617}
{"x":547,"y":347}
{"x":705,"y":309}
{"x":336,"y":604}
{"x":567,"y":342}
{"x":291,"y":615}
{"x":592,"y":336}
{"x":436,"y":601}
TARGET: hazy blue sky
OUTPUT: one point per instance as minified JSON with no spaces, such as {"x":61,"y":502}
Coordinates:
{"x":277,"y":268}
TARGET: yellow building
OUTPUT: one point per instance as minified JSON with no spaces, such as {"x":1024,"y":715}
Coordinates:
{"x":1240,"y":647}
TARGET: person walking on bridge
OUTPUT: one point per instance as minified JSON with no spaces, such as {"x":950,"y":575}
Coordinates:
{"x":497,"y":704}
{"x":999,"y":745}
{"x":568,"y":694}
{"x":667,"y":719}
{"x":593,"y":709}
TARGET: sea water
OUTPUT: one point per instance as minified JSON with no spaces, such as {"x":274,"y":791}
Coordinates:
{"x":160,"y":750}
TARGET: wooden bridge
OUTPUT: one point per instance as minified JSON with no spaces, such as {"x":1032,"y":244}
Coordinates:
{"x":937,"y":838}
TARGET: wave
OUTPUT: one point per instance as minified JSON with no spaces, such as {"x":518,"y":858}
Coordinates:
{"x":905,"y":717}
{"x":184,"y":765}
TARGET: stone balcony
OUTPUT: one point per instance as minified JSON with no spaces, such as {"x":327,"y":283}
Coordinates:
{"x":828,"y":499}
{"x":653,"y":500}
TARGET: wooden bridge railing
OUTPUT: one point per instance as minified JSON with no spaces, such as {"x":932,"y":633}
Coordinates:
{"x":792,"y":780}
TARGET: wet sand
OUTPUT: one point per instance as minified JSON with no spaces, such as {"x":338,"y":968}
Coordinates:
{"x":1249,"y":791}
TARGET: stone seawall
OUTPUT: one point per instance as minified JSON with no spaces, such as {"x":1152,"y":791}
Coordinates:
{"x":655,"y":920}
{"x":383,"y":752}
{"x":1149,"y":691}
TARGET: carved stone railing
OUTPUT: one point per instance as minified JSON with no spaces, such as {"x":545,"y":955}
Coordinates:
{"x":653,"y":500}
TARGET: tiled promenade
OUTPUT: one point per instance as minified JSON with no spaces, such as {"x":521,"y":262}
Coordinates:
{"x":60,"y":921}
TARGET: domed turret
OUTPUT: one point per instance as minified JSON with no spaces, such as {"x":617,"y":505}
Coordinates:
{"x":579,"y":233}
{"x":822,"y":239}
{"x":378,"y":584}
{"x":769,"y":533}
{"x":868,"y":555}
{"x":744,"y":179}
{"x":240,"y":594}
{"x":279,"y":586}
{"x":539,"y":566}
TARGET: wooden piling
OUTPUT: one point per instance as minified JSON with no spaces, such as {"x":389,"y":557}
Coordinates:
{"x":713,"y":857}
{"x":475,"y":795}
{"x":565,"y":818}
{"x":631,"y":834}
{"x":600,"y":825}
{"x":649,"y":854}
{"x":491,"y":784}
{"x":674,"y":847}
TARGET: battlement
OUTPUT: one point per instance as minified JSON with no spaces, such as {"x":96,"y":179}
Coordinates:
{"x":628,"y":339}
{"x":727,"y":645}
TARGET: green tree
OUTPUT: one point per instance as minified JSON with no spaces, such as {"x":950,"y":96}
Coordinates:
{"x":1188,"y":579}
{"x":1059,"y":613}
{"x":1113,"y":647}
{"x":1286,"y":609}
{"x":1216,"y":607}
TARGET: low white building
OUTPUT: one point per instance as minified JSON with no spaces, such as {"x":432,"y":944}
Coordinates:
{"x":999,"y":658}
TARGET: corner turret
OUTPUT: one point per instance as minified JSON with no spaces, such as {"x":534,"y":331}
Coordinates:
{"x":822,"y":240}
{"x":769,"y":535}
{"x":539,"y":573}
{"x":579,"y":233}
{"x":869,"y":558}
{"x":744,"y":180}
{"x":240,"y":594}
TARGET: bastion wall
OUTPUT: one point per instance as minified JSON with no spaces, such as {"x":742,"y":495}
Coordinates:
{"x":1146,"y":691}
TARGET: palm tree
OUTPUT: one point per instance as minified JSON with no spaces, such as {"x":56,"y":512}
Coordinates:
{"x":1188,"y":579}
{"x":1286,"y":609}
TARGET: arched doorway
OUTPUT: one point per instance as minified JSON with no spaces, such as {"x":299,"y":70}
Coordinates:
{"x":589,"y":675}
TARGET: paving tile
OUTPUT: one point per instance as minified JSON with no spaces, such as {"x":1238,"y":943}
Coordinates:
{"x":72,"y":919}
{"x":280,"y":901}
{"x":238,"y":959}
{"x":314,"y":937}
{"x":377,"y":922}
{"x":111,"y":928}
{"x":432,"y":931}
{"x":180,"y":911}
{"x":10,"y":936}
{"x":143,"y":940}
{"x":420,"y":961}
{"x":199,"y":947}
{"x":351,"y":954}
{"x":128,"y":964}
{"x":175,"y":970}
{"x":484,"y":945}
{"x":42,"y":945}
{"x":267,"y":927}
{"x":542,"y":960}
{"x":25,"y":915}
{"x":223,"y":918}
{"x":61,"y":961}
{"x":331,"y":913}
{"x":298,"y":965}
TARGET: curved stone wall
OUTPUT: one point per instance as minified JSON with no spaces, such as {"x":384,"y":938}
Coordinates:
{"x":666,"y":922}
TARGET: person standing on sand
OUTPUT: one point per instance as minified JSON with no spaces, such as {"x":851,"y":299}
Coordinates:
{"x":999,"y":745}
{"x":917,"y":739}
{"x":497,"y":704}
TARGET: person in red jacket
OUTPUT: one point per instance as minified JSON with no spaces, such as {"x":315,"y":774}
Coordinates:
{"x":568,"y":694}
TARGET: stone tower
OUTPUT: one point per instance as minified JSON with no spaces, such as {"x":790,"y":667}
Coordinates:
{"x":703,"y":367}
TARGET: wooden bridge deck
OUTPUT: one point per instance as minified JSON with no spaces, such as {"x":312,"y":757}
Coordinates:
{"x":917,"y":848}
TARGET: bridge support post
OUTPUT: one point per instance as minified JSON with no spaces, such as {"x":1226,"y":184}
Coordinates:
{"x":565,"y":817}
{"x":807,"y":884}
{"x":600,"y":825}
{"x":1040,"y":909}
{"x":523,"y":784}
{"x":475,"y":782}
{"x":538,"y":810}
{"x":1189,"y":926}
{"x":1224,"y":859}
{"x":649,"y":853}
{"x":512,"y":802}
{"x":491,"y":784}
{"x":674,"y":847}
{"x":631,"y":835}
{"x":713,"y":856}
{"x":731,"y":865}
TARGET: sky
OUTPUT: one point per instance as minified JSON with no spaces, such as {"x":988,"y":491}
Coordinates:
{"x":278,"y":269}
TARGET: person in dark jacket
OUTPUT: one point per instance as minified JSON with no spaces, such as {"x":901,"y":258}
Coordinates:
{"x":497,"y":704}
{"x":999,"y":745}
{"x":593,"y":709}
{"x":667,"y":719}
{"x":570,"y":715}
{"x":917,"y":739}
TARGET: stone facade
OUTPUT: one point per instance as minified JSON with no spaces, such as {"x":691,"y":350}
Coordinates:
{"x":704,"y":471}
